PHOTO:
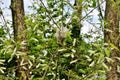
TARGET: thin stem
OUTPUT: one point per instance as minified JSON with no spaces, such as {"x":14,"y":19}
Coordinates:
{"x":5,"y":23}
{"x":57,"y":65}
{"x":50,"y":15}
{"x":90,"y":12}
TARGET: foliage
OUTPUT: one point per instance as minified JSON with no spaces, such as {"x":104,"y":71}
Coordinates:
{"x":75,"y":59}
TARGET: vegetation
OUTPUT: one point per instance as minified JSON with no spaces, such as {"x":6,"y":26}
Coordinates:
{"x":50,"y":42}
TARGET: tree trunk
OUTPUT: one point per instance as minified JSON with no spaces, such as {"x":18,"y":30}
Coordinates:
{"x":20,"y":34}
{"x":111,"y":36}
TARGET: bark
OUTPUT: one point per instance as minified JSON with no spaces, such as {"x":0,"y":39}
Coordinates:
{"x":111,"y":36}
{"x":20,"y":36}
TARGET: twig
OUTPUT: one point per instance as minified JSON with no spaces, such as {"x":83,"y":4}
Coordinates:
{"x":5,"y":23}
{"x":50,"y":15}
{"x":85,"y":15}
{"x":57,"y":65}
{"x":99,"y":9}
{"x":90,"y":12}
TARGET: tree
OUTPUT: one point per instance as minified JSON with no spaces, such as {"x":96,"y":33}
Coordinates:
{"x":49,"y":43}
{"x":111,"y":37}
{"x":20,"y":37}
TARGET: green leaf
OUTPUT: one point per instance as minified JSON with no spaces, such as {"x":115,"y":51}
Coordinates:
{"x":109,"y":59}
{"x":107,"y":52}
{"x":92,"y":64}
{"x":1,"y":12}
{"x":94,"y":3}
{"x":74,"y":61}
{"x":105,"y":66}
{"x":113,"y":46}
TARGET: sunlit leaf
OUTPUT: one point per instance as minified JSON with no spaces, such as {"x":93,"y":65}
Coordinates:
{"x":107,"y":52}
{"x":74,"y":61}
{"x":105,"y":66}
{"x":92,"y":64}
{"x":109,"y":59}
